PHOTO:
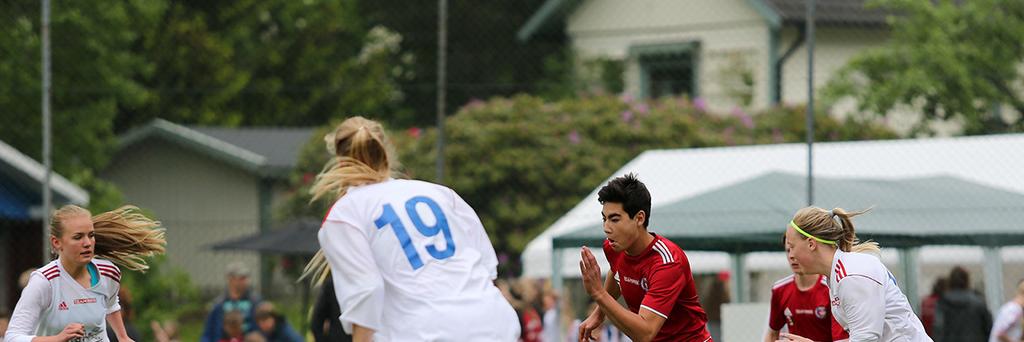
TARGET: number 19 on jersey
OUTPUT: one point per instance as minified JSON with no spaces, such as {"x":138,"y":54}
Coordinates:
{"x":390,"y":218}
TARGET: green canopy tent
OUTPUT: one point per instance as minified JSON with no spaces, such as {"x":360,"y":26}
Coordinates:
{"x":751,"y":215}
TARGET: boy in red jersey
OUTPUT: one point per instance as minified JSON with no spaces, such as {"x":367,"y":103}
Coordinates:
{"x":648,"y":270}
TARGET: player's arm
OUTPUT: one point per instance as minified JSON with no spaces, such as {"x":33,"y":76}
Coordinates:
{"x":642,"y":326}
{"x":775,"y":321}
{"x":117,"y":324}
{"x":358,"y":283}
{"x":771,"y":336}
{"x":361,"y":334}
{"x":863,"y":300}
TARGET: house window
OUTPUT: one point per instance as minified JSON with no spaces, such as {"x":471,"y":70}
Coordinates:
{"x":667,"y":69}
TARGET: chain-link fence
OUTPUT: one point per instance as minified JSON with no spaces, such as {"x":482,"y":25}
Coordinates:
{"x":209,"y":115}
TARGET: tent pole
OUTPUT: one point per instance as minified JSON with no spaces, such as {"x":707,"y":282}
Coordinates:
{"x":556,"y":285}
{"x":911,"y":274}
{"x":993,"y":277}
{"x":739,"y":275}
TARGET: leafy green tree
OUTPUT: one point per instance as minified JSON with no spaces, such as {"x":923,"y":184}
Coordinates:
{"x":522,"y":162}
{"x":484,"y":57}
{"x":161,"y":294}
{"x":94,"y":75}
{"x":948,"y":59}
{"x":267,"y":62}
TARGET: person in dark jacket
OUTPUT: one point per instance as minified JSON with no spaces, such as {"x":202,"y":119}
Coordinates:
{"x":961,"y":314}
{"x":325,"y":323}
{"x":239,"y":297}
{"x":273,"y":326}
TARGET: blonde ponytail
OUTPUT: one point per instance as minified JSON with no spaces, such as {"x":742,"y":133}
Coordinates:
{"x":849,"y":241}
{"x":363,"y":156}
{"x":834,"y":225}
{"x":125,"y":236}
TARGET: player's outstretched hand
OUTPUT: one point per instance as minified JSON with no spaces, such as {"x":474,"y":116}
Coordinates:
{"x":591,"y":273}
{"x":72,"y":331}
{"x":787,"y":337}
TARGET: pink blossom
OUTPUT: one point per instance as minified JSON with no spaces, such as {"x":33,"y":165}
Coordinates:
{"x":626,"y":98}
{"x":627,"y":116}
{"x":574,"y":137}
{"x":700,"y":104}
{"x":745,"y":118}
{"x":474,"y":103}
{"x":642,"y":108}
{"x":415,"y":132}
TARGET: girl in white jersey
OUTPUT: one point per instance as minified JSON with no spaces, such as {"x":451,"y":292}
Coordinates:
{"x":74,"y":297}
{"x":865,"y":298}
{"x":410,"y":260}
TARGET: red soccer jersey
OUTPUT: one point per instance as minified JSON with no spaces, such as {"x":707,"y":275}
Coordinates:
{"x":659,"y":280}
{"x":806,"y":313}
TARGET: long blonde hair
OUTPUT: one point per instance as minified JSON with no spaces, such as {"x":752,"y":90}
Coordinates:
{"x":823,"y":224}
{"x":123,"y":235}
{"x":362,"y":155}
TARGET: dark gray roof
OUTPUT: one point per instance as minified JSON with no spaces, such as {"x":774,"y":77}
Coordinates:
{"x":295,"y":237}
{"x":830,"y":12}
{"x":751,"y":215}
{"x":280,"y":145}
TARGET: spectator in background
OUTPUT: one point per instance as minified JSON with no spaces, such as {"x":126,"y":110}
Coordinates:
{"x":4,"y":320}
{"x":239,"y":297}
{"x":254,"y":336}
{"x":929,"y":303}
{"x":325,"y":323}
{"x":273,"y":326}
{"x":526,"y":304}
{"x":961,"y":314}
{"x":716,"y":295}
{"x":166,"y":332}
{"x":24,"y":277}
{"x":1007,"y":327}
{"x":233,"y":332}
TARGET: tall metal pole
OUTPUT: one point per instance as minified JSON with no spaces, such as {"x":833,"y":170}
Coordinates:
{"x":45,"y":33}
{"x":810,"y":101}
{"x":442,"y":54}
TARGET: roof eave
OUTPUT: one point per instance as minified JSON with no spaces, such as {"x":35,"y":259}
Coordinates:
{"x":37,"y":172}
{"x":205,"y":144}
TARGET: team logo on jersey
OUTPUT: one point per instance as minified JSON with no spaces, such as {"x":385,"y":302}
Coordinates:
{"x":835,"y":301}
{"x":62,"y":307}
{"x":819,"y":312}
{"x":643,"y":284}
{"x":85,"y":301}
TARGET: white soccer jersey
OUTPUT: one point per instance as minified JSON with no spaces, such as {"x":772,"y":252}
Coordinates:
{"x":411,"y":260}
{"x":868,"y":303}
{"x":53,"y":299}
{"x":1008,"y":321}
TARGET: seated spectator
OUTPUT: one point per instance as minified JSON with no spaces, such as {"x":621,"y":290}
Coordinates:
{"x":233,"y":321}
{"x":273,"y":326}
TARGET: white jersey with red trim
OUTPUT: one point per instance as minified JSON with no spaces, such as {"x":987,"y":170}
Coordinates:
{"x":868,"y":303}
{"x":412,"y":261}
{"x":53,"y":299}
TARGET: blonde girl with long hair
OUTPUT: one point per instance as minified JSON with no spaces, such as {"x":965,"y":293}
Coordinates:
{"x":74,"y":297}
{"x":864,"y":295}
{"x":410,"y":260}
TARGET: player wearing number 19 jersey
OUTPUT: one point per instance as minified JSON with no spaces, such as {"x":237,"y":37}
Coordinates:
{"x":411,"y":261}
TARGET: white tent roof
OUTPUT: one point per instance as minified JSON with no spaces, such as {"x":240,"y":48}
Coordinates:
{"x":672,"y":175}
